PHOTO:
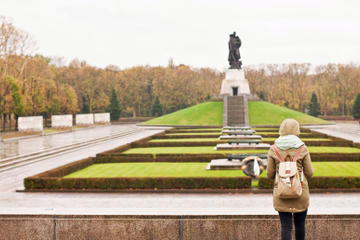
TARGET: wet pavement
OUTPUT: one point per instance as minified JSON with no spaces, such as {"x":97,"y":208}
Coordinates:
{"x":33,"y":144}
{"x":12,"y":202}
{"x":166,"y":204}
{"x":349,"y":131}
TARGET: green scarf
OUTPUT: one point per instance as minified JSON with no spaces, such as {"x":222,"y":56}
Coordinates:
{"x":288,"y":141}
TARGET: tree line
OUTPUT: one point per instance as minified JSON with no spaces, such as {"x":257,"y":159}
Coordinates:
{"x":292,"y":85}
{"x":33,"y":84}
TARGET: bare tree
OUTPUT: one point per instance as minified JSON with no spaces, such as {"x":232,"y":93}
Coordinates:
{"x":14,"y":42}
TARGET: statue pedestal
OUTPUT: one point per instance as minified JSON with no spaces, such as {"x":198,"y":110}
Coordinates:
{"x":235,"y":91}
{"x":235,"y":83}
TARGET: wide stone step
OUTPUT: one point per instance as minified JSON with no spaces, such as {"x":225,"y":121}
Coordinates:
{"x":235,"y":110}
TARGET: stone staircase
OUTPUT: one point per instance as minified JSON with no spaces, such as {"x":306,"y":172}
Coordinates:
{"x":236,"y":111}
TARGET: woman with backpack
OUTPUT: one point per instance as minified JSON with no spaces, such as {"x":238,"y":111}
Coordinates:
{"x":289,"y":164}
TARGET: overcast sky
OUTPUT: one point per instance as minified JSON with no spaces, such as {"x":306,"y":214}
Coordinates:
{"x":149,"y":32}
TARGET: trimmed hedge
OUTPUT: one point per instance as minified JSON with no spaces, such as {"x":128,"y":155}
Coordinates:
{"x":274,"y":130}
{"x":67,"y":169}
{"x":133,"y":144}
{"x":319,"y":182}
{"x":335,"y":157}
{"x":48,"y":183}
{"x":120,"y":154}
{"x":265,"y":183}
{"x":186,"y":136}
{"x":161,"y":158}
{"x":179,"y":127}
{"x":184,"y":131}
{"x":118,"y":149}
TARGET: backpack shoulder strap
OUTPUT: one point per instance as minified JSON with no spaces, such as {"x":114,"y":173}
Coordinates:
{"x":277,"y":153}
{"x":294,"y":159}
{"x":298,"y":153}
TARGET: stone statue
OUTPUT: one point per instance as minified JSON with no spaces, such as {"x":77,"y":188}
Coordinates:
{"x":234,"y":53}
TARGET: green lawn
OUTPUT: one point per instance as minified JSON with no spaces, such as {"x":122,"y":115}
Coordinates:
{"x":211,"y":113}
{"x":265,"y":113}
{"x":52,"y":130}
{"x":203,"y":114}
{"x":335,"y":169}
{"x":152,"y":170}
{"x":210,"y":150}
{"x":219,"y":133}
{"x":193,"y":133}
{"x":264,"y":133}
{"x":197,"y":170}
{"x":49,"y":130}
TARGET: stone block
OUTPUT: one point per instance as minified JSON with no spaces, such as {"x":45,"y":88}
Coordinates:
{"x":102,"y":117}
{"x":235,"y":111}
{"x":246,"y":227}
{"x":242,"y":146}
{"x":116,"y":227}
{"x":62,"y":121}
{"x":26,"y":227}
{"x":30,"y":124}
{"x":85,"y":119}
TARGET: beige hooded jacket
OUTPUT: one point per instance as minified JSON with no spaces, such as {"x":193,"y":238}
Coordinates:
{"x":290,"y":127}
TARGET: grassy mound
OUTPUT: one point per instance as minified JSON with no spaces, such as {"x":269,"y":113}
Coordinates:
{"x":211,"y":114}
{"x":203,"y":114}
{"x":265,"y":113}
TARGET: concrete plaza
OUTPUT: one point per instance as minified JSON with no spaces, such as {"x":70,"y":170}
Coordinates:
{"x":12,"y":202}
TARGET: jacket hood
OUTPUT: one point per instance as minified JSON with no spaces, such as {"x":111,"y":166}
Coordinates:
{"x":289,"y":127}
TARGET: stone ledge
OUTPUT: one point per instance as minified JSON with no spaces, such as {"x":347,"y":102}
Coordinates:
{"x":170,"y":227}
{"x":202,"y":191}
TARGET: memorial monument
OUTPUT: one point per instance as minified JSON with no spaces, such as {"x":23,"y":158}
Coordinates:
{"x":236,"y":130}
{"x":235,"y":88}
{"x":235,"y":83}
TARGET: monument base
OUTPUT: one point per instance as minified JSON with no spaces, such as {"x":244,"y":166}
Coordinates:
{"x":238,"y":137}
{"x":223,"y":164}
{"x":241,"y":146}
{"x":235,"y":83}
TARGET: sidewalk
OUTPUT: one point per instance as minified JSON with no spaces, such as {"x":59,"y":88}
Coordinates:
{"x":166,"y":204}
{"x":349,"y":131}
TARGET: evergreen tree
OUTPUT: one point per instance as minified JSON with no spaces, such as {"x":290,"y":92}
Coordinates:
{"x":114,"y":107}
{"x":85,"y":108}
{"x":355,"y":110}
{"x":156,"y":108}
{"x":262,"y":96}
{"x":314,"y":106}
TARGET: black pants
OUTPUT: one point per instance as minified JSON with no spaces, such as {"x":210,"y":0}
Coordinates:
{"x":286,"y":225}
